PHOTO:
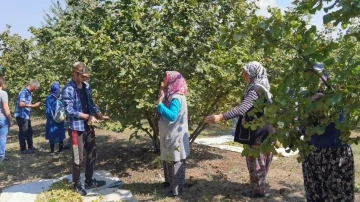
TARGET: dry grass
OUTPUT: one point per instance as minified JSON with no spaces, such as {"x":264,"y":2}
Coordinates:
{"x":212,"y":174}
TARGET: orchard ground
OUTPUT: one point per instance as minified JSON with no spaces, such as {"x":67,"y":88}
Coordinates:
{"x":212,"y":174}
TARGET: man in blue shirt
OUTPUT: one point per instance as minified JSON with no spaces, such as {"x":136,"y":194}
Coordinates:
{"x":22,"y":115}
{"x":80,"y":109}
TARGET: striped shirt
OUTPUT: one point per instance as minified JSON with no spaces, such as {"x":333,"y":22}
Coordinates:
{"x":244,"y":106}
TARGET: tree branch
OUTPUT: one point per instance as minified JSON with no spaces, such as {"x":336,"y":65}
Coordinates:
{"x":214,"y":107}
{"x":152,"y":126}
{"x":308,"y":63}
{"x":312,"y":67}
{"x":147,"y":132}
{"x":333,"y":5}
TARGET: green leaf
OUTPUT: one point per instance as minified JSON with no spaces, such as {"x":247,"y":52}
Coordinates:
{"x":253,"y":127}
{"x":329,"y":61}
{"x":327,"y":18}
{"x":333,"y":45}
{"x":275,"y":31}
{"x":356,"y":70}
{"x":264,"y":25}
{"x":336,"y":99}
{"x":237,"y":37}
{"x":309,"y":50}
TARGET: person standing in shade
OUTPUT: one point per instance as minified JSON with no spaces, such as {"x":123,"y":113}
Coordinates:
{"x":174,"y":131}
{"x":55,"y":132}
{"x":22,"y":114}
{"x":257,"y":87}
{"x":5,"y":120}
{"x":81,"y":111}
{"x":328,"y":170}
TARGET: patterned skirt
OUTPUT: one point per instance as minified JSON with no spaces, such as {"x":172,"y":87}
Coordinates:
{"x":174,"y":172}
{"x":329,"y":175}
{"x":258,"y":170}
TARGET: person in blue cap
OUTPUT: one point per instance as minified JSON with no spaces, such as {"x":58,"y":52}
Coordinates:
{"x":328,"y":170}
{"x":82,"y":113}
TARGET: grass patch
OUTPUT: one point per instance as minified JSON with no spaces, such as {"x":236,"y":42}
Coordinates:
{"x":232,"y":143}
{"x":356,"y":152}
{"x":4,"y":166}
{"x":357,"y":188}
{"x":215,"y":131}
{"x":61,"y":191}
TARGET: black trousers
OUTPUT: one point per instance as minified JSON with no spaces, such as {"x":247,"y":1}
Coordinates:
{"x":83,"y":140}
{"x":25,"y":133}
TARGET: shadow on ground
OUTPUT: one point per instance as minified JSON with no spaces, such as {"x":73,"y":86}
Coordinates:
{"x":120,"y":155}
{"x":213,"y":174}
{"x":217,"y":189}
{"x":114,"y":155}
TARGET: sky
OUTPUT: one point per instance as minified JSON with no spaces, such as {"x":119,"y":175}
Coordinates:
{"x":317,"y":19}
{"x":21,"y":14}
{"x":283,"y":4}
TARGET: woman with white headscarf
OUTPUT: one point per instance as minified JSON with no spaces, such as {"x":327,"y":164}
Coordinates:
{"x":257,"y":86}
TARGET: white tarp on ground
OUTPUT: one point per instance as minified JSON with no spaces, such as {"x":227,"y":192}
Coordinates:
{"x":28,"y":192}
{"x":218,"y":142}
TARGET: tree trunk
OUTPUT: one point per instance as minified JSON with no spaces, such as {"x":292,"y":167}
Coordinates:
{"x":156,"y":144}
{"x":153,"y":119}
{"x":201,"y":125}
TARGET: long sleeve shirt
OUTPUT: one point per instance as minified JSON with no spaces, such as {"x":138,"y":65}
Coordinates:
{"x":244,"y":107}
{"x":50,"y":105}
{"x":172,"y":112}
{"x":73,"y":105}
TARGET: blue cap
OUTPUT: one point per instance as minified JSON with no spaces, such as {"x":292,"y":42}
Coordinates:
{"x":319,"y":67}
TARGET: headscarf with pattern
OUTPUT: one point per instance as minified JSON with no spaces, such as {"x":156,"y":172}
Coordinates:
{"x":176,"y":84}
{"x":258,"y":76}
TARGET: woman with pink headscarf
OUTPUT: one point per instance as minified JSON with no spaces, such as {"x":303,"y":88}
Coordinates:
{"x":174,"y":131}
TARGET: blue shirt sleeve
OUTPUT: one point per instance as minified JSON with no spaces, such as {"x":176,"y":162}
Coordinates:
{"x":48,"y":106}
{"x":68,"y":97}
{"x":22,"y":97}
{"x":172,"y":112}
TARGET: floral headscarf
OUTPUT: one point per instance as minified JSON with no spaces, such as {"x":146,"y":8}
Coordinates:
{"x":258,"y":76}
{"x":176,"y":84}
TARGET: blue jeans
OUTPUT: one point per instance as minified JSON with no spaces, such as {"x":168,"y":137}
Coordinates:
{"x":4,"y":130}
